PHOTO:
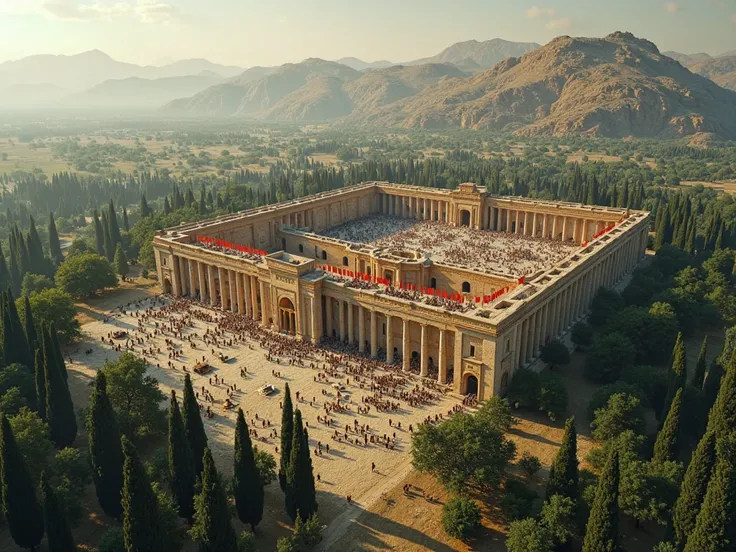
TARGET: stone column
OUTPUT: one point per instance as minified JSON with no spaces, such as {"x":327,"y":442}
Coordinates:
{"x":201,"y":280}
{"x":526,"y":223}
{"x":361,"y":329}
{"x":544,"y":225}
{"x":176,"y":276}
{"x":184,"y":275}
{"x":374,"y":335}
{"x":254,"y":298}
{"x":239,"y":286}
{"x":424,"y":370}
{"x":247,"y":306}
{"x":223,"y":292}
{"x":564,"y":229}
{"x":213,"y":285}
{"x":389,"y":341}
{"x":534,"y":224}
{"x":517,"y":230}
{"x":313,"y":328}
{"x":264,"y":303}
{"x":442,"y":362}
{"x":341,"y":317}
{"x":406,"y":346}
{"x":351,"y":324}
{"x":328,"y":314}
{"x":231,"y":290}
{"x":554,"y":227}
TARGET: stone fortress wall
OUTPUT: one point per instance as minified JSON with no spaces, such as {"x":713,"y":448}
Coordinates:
{"x":477,"y":350}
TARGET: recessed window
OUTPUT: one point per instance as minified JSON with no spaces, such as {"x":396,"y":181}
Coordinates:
{"x":301,"y":248}
{"x":164,"y":260}
{"x":283,"y":244}
{"x":344,"y":261}
{"x":324,"y":255}
{"x":466,"y":287}
{"x":472,"y":350}
{"x":433,"y":283}
{"x":508,"y":345}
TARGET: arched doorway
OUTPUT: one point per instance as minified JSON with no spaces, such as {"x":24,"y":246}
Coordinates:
{"x":464,"y":217}
{"x":167,"y":286}
{"x":471,"y":385}
{"x":287,"y":316}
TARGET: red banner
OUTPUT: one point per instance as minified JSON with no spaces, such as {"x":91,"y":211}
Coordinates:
{"x":229,"y":245}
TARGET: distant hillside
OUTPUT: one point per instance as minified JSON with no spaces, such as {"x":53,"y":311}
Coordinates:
{"x":615,"y":86}
{"x":721,"y":70}
{"x":687,"y":59}
{"x":486,"y":54}
{"x":135,"y":92}
{"x":83,"y":71}
{"x":30,"y":95}
{"x":360,"y":65}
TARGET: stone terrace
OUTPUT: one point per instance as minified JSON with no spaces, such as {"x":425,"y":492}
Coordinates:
{"x":493,"y":252}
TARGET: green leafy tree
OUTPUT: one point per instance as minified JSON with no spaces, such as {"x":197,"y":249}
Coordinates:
{"x":266,"y":465}
{"x":181,"y":464}
{"x":212,"y":528}
{"x":529,"y":535}
{"x":57,"y":306}
{"x":648,"y":490}
{"x":701,"y":365}
{"x":121,"y":262}
{"x":582,"y":335}
{"x":247,"y":482}
{"x":141,"y":525}
{"x":58,"y":533}
{"x":135,"y":396}
{"x":85,"y":274}
{"x":667,"y":445}
{"x":31,"y":435}
{"x":70,"y":475}
{"x":194,"y":427}
{"x":563,"y":473}
{"x":21,"y":509}
{"x":715,"y":526}
{"x":460,"y":517}
{"x":623,"y":412}
{"x":559,"y":516}
{"x":105,"y":449}
{"x":555,"y":353}
{"x":301,"y":496}
{"x":601,"y":532}
{"x":287,"y":435}
{"x":18,"y":377}
{"x":54,"y":244}
{"x":693,"y":489}
{"x":608,"y":357}
{"x":529,"y":464}
{"x":34,"y":283}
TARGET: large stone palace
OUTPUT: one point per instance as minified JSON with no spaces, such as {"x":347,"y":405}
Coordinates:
{"x":457,"y":285}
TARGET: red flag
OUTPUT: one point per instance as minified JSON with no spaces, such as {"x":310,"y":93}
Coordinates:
{"x":477,"y":299}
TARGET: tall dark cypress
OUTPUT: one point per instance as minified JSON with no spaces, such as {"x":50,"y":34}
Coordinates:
{"x":144,"y":209}
{"x":141,"y":522}
{"x":37,"y":261}
{"x":667,"y":445}
{"x":601,"y":532}
{"x":563,"y":474}
{"x":126,"y":224}
{"x":105,"y":449}
{"x":301,"y":493}
{"x":5,"y":279}
{"x":112,"y":219}
{"x":19,"y":503}
{"x":193,"y":424}
{"x":711,"y":385}
{"x":678,"y":372}
{"x":59,"y":407}
{"x":54,"y":242}
{"x":700,"y":365}
{"x":58,"y":534}
{"x":58,"y":354}
{"x":107,"y":236}
{"x":214,"y":528}
{"x":99,"y":234}
{"x":247,"y":484}
{"x":694,"y":485}
{"x":181,"y":464}
{"x":23,"y":350}
{"x":715,"y":526}
{"x":39,"y":377}
{"x":287,"y":435}
{"x":722,"y":417}
{"x":30,"y":325}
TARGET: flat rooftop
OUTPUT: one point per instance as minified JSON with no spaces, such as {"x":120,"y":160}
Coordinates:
{"x":483,"y":250}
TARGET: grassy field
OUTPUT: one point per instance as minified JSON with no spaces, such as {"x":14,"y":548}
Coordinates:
{"x":728,"y":187}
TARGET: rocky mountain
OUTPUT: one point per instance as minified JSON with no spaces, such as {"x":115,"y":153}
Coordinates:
{"x":360,"y":65}
{"x":138,"y":93}
{"x":83,"y":71}
{"x":313,"y":90}
{"x":687,"y":59}
{"x":614,"y":86}
{"x":486,"y":54}
{"x":721,"y":70}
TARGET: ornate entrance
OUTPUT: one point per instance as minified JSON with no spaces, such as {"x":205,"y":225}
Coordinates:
{"x":471,"y":385}
{"x":167,"y":286}
{"x":464,"y":218}
{"x":287,"y":316}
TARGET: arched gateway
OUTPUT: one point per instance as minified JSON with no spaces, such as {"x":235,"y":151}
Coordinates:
{"x":287,"y":316}
{"x":464,"y":217}
{"x":471,"y":385}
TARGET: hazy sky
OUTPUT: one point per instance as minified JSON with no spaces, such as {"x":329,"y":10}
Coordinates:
{"x":270,"y":32}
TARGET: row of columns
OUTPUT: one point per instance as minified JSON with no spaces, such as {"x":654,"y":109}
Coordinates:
{"x":572,"y":302}
{"x":529,"y":223}
{"x":415,"y":207}
{"x":369,"y":343}
{"x":231,"y":289}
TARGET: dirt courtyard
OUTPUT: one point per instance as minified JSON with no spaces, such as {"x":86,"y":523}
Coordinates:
{"x":345,"y":470}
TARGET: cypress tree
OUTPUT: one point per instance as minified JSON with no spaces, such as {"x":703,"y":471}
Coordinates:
{"x":54,"y":242}
{"x":10,"y":353}
{"x":24,"y":350}
{"x":287,"y":435}
{"x":126,"y":224}
{"x":59,"y":356}
{"x":181,"y":465}
{"x":20,"y":506}
{"x":700,"y":365}
{"x":193,"y":424}
{"x":141,"y":527}
{"x":721,"y":236}
{"x":107,"y":237}
{"x":678,"y":373}
{"x":59,"y":407}
{"x":715,"y":526}
{"x":301,"y":494}
{"x":247,"y":484}
{"x":712,"y":385}
{"x":105,"y":449}
{"x":722,"y":417}
{"x":601,"y":532}
{"x":39,"y":377}
{"x":112,"y":219}
{"x":167,"y":207}
{"x":30,"y":326}
{"x":37,"y":261}
{"x":5,"y":279}
{"x":121,"y":261}
{"x":24,"y":260}
{"x":58,"y":533}
{"x":563,"y":474}
{"x":667,"y":446}
{"x":145,"y":210}
{"x":99,"y":235}
{"x":694,"y":485}
{"x":214,"y":530}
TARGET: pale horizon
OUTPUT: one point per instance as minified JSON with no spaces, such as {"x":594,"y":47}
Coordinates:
{"x":246,"y":34}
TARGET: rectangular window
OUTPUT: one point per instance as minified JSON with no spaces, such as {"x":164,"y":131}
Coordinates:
{"x":383,"y":328}
{"x":164,"y":260}
{"x":472,"y":350}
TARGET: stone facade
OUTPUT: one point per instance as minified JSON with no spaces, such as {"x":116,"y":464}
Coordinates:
{"x":478,"y":350}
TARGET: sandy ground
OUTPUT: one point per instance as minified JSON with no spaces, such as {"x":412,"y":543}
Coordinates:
{"x":345,"y":470}
{"x":497,"y":252}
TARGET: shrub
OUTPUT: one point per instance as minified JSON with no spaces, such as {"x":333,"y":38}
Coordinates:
{"x":460,"y":517}
{"x":529,"y":535}
{"x":582,"y":335}
{"x":608,"y":357}
{"x":552,"y":395}
{"x":525,"y":389}
{"x":555,"y":353}
{"x":518,"y":500}
{"x":649,"y":383}
{"x":247,"y":542}
{"x":601,"y":396}
{"x":623,"y":412}
{"x":530,"y":464}
{"x":112,"y":541}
